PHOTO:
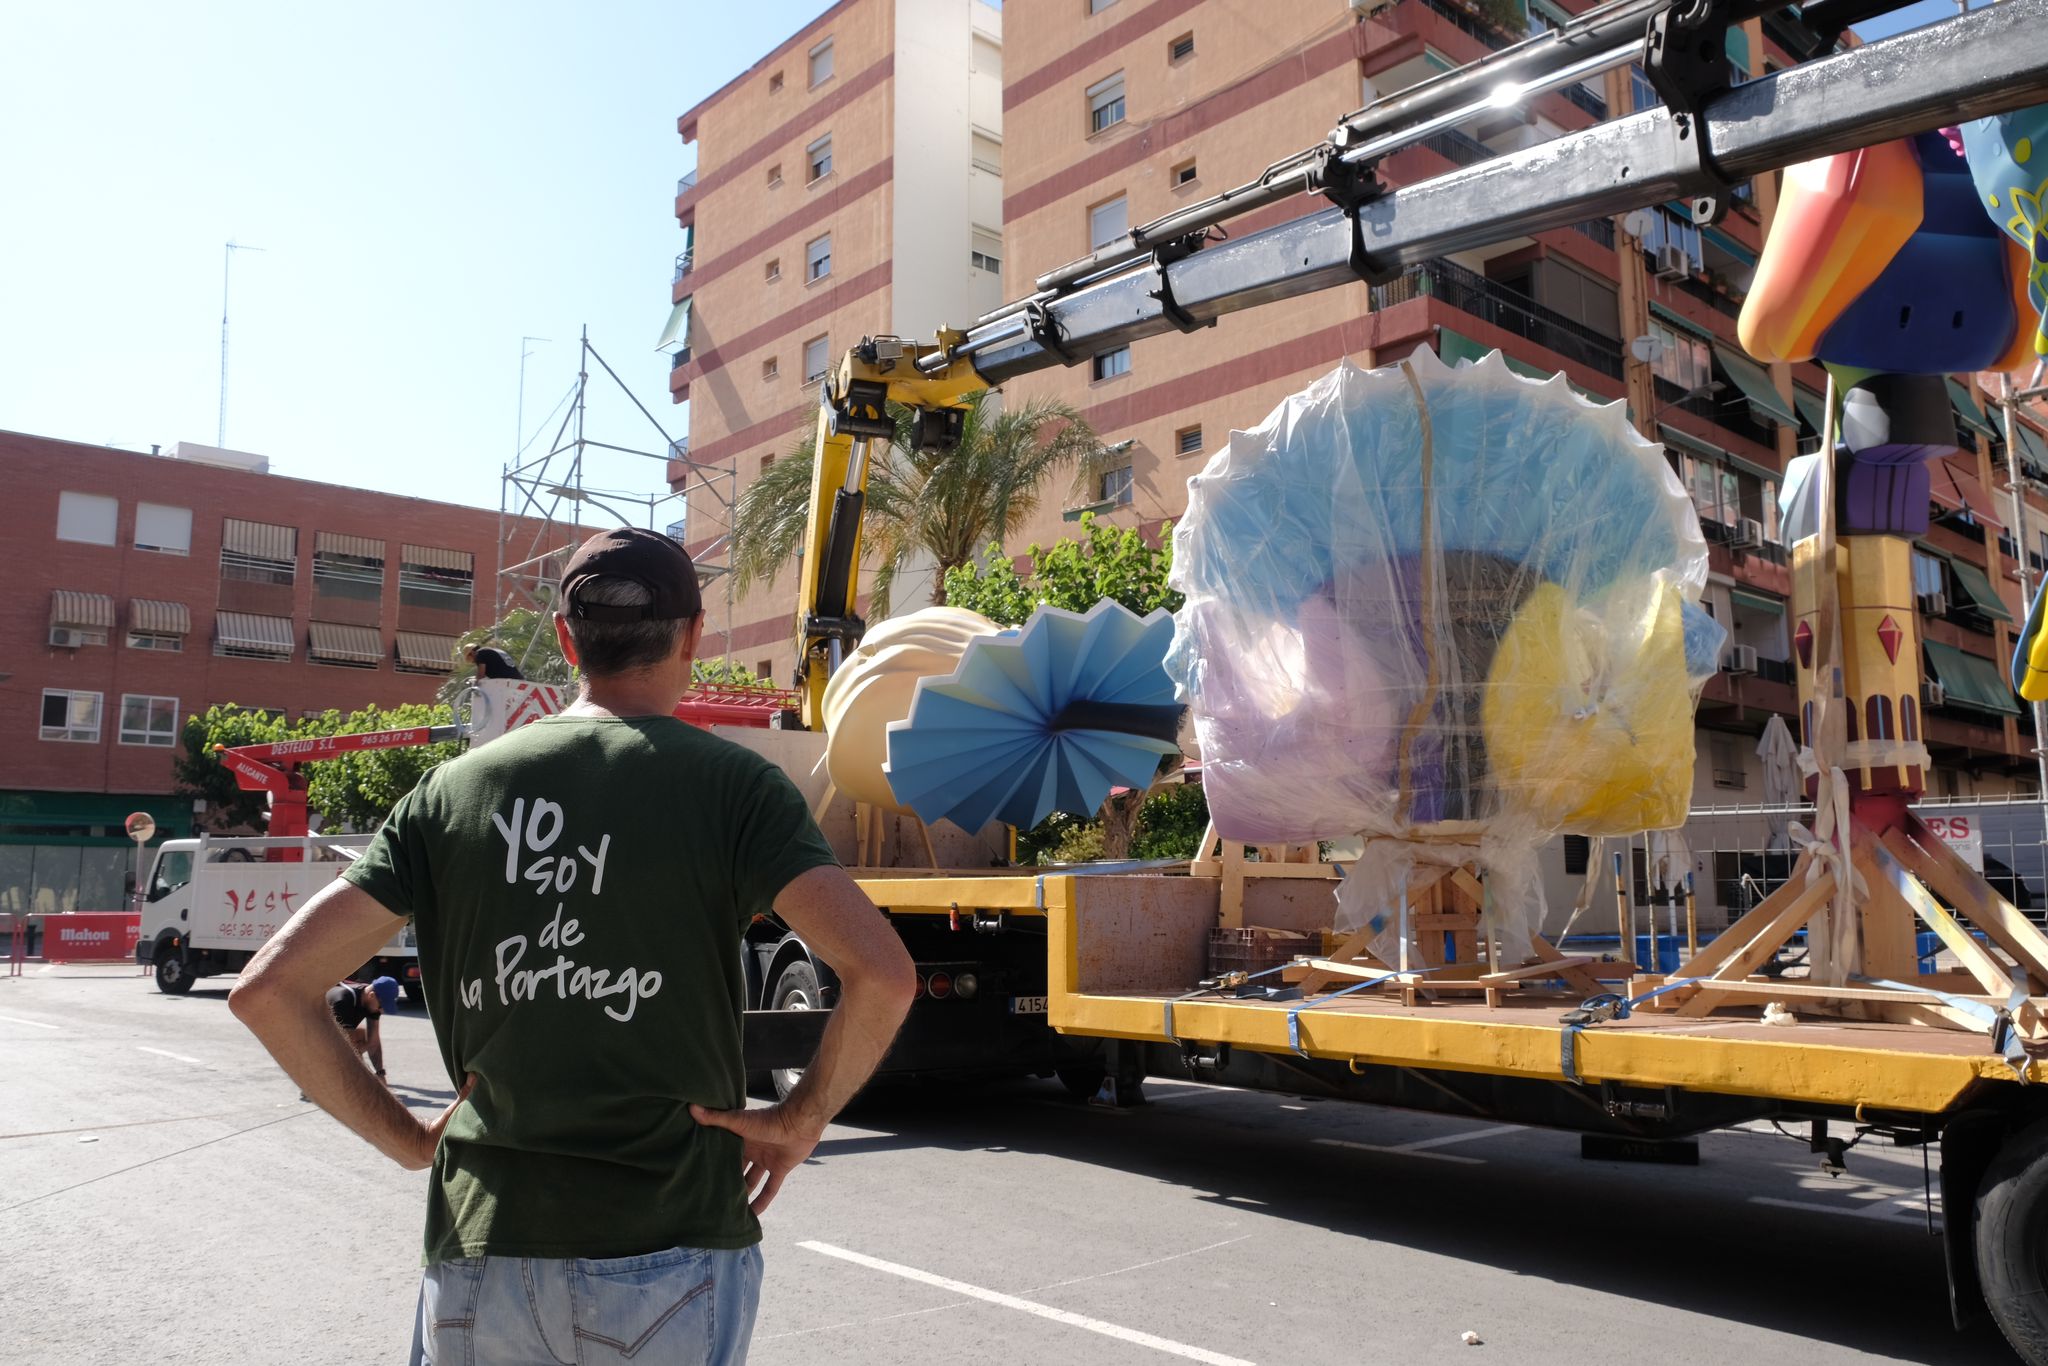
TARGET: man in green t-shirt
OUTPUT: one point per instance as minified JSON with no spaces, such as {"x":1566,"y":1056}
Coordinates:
{"x":579,"y":889}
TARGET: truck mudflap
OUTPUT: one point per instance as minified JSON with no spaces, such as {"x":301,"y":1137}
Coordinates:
{"x":145,"y":951}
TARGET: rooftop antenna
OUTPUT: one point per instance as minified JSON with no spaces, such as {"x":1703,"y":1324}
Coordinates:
{"x":226,"y":271}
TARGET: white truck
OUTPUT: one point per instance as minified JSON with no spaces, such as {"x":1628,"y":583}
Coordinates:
{"x":211,"y":902}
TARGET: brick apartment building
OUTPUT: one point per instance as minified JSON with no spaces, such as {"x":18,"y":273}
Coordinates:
{"x":1117,"y":111}
{"x":849,"y":183}
{"x":146,"y":588}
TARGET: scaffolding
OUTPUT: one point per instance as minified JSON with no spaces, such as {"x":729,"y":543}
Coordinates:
{"x":545,"y":506}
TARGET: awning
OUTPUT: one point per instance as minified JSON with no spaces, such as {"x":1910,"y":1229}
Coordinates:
{"x":1969,"y":680}
{"x":1755,"y":382}
{"x":1812,"y":407}
{"x":1976,"y":586}
{"x":350,"y":644}
{"x":357,"y":547}
{"x":89,"y":611}
{"x":1758,"y":602}
{"x":433,"y":558}
{"x":1957,"y":489}
{"x":1685,"y":440}
{"x":247,"y":631}
{"x":1967,"y":412}
{"x":418,"y":650}
{"x":159,"y":618}
{"x":260,"y":539}
{"x":678,"y":329}
{"x":2033,"y":446}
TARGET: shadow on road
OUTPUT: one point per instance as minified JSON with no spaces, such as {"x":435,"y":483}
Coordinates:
{"x":1665,"y":1237}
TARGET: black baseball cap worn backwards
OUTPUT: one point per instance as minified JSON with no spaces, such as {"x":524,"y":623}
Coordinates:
{"x":648,"y":558}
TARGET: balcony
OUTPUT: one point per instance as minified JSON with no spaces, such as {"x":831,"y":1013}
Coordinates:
{"x":686,"y":184}
{"x":1729,"y":414}
{"x":679,"y":358}
{"x":1460,"y":149}
{"x":1508,"y":309}
{"x":1586,"y":100}
{"x":1694,"y":287}
{"x":684,"y":260}
{"x":1601,"y":230}
{"x":1458,"y":17}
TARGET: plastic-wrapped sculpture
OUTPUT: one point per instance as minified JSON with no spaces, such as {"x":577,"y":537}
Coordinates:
{"x":1452,"y":610}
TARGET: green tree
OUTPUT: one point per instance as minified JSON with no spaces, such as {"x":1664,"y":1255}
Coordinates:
{"x":1106,"y":561}
{"x":199,"y":774}
{"x":941,"y":505}
{"x":526,"y":635}
{"x":725,"y":673}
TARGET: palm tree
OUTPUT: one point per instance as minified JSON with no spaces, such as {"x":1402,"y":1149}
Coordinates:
{"x":949,"y":506}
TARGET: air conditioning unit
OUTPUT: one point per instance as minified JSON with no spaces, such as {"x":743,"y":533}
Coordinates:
{"x":1741,"y":659}
{"x":1933,"y":604}
{"x":1672,"y":262}
{"x":1748,"y":535}
{"x":72,"y":638}
{"x":1933,"y":694}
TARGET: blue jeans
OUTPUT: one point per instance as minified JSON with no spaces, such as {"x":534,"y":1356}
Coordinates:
{"x":686,"y":1305}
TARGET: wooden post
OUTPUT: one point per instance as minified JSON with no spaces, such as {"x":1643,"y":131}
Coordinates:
{"x":1624,"y":917}
{"x":1692,"y":921}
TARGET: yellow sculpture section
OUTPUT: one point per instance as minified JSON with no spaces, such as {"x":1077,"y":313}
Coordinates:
{"x":1587,"y":713}
{"x":876,"y":685}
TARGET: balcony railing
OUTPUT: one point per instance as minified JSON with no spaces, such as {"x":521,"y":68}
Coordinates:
{"x":1586,"y":100}
{"x":1459,"y":148}
{"x":684,"y":259}
{"x":687,"y":183}
{"x":1601,"y":230}
{"x":680,"y":358}
{"x":1508,"y":309}
{"x":1775,"y":670}
{"x":1713,"y":298}
{"x":676,"y":531}
{"x":679,"y":449}
{"x":1460,"y":18}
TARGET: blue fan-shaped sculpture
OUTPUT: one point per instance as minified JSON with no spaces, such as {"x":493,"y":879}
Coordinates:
{"x":1049,"y":717}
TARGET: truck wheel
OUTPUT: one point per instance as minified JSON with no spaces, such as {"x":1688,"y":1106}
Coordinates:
{"x":2012,"y":1241}
{"x":173,"y":978}
{"x":795,"y":989}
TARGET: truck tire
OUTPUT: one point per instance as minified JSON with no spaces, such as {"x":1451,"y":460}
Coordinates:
{"x":795,"y":989}
{"x":173,"y":977}
{"x":1083,"y":1080}
{"x":2012,"y":1241}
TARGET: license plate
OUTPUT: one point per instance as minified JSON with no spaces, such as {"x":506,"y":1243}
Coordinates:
{"x":1027,"y":1005}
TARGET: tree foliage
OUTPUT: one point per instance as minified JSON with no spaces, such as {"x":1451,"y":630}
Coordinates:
{"x":526,"y":635}
{"x":1169,"y":826}
{"x":1107,"y":561}
{"x":350,"y":791}
{"x":726,"y":673}
{"x":918,"y":503}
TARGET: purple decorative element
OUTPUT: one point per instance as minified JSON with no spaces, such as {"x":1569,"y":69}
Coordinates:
{"x":1886,"y":490}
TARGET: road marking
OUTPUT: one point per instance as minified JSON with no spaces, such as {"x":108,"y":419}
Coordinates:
{"x":166,"y":1053}
{"x":32,"y":1024}
{"x":1044,"y":1311}
{"x":1423,"y":1147}
{"x":1140,"y":1266}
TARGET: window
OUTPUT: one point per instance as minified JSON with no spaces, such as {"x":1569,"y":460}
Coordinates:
{"x":1098,"y":6}
{"x":155,"y":640}
{"x":166,"y":530}
{"x":1106,"y":103}
{"x":1183,"y":174}
{"x":774,"y":175}
{"x":763,"y":668}
{"x":1188,"y":441}
{"x":818,"y":157}
{"x":349,"y":567}
{"x":1116,"y":486}
{"x":766,"y":461}
{"x":149,"y":720}
{"x":1726,"y":757}
{"x":770,"y":368}
{"x":818,"y":258}
{"x":1181,"y":48}
{"x":987,"y":154}
{"x":1683,"y":358}
{"x":1578,"y":853}
{"x":86,"y":517}
{"x":986,"y":252}
{"x":442,"y":579}
{"x":1927,"y":576}
{"x":772,"y":272}
{"x":775,"y":84}
{"x":1670,"y":229}
{"x":821,"y":63}
{"x":71,"y":716}
{"x":257,"y":552}
{"x":816,"y":355}
{"x":1107,"y":222}
{"x":1110,"y":364}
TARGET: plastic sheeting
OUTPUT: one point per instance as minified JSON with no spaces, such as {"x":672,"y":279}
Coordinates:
{"x":1452,"y":612}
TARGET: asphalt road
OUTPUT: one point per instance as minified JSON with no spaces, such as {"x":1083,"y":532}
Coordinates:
{"x":164,"y":1196}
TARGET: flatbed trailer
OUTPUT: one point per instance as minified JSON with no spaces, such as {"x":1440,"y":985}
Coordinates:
{"x":1125,"y":952}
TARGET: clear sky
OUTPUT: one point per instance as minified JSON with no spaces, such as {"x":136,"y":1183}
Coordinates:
{"x":430,"y":182}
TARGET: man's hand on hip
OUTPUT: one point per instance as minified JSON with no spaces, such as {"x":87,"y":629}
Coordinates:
{"x":774,"y":1142}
